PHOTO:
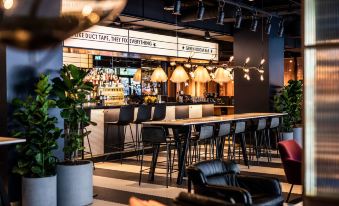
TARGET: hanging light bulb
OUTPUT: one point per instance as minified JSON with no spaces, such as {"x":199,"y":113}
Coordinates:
{"x":254,"y":23}
{"x":188,"y":65}
{"x":177,"y":7}
{"x":268,"y":25}
{"x":238,"y":18}
{"x":39,"y":24}
{"x":221,"y":13}
{"x":261,"y":77}
{"x":248,"y":77}
{"x":231,"y":58}
{"x":201,"y":10}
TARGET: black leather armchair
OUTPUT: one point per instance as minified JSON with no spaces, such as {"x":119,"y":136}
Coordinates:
{"x":222,"y":180}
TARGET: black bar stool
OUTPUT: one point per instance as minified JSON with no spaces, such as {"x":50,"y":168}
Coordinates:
{"x":240,"y":130}
{"x":159,"y":112}
{"x":223,"y":132}
{"x":126,"y":117}
{"x":260,"y":140}
{"x":156,"y":137}
{"x":205,"y":137}
{"x":144,"y":114}
{"x":274,"y":126}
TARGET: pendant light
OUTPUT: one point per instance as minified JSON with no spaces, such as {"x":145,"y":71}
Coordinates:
{"x":201,"y":75}
{"x":40,"y":24}
{"x":159,"y":75}
{"x":179,"y":75}
{"x":137,"y":76}
{"x":222,"y":75}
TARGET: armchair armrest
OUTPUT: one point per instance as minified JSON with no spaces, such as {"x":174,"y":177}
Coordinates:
{"x":227,"y":193}
{"x":292,"y":170}
{"x":258,"y":183}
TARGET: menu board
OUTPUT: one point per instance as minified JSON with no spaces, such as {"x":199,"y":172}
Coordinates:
{"x":122,"y":40}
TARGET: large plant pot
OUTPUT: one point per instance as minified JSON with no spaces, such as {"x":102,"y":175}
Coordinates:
{"x":287,"y":135}
{"x":75,"y":184}
{"x":39,"y":191}
{"x":298,"y":135}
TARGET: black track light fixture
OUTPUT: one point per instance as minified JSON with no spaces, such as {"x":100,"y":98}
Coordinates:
{"x":207,"y":35}
{"x":221,"y":13}
{"x":177,"y":7}
{"x":268,"y":25}
{"x":281,"y":28}
{"x":238,"y":18}
{"x":254,"y":23}
{"x":201,"y":10}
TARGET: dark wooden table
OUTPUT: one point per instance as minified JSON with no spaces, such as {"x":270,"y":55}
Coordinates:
{"x":182,"y":150}
{"x":5,"y":141}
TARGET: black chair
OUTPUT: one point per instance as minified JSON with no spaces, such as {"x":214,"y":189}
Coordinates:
{"x":126,"y":117}
{"x":222,"y":133}
{"x":205,"y":137}
{"x":188,"y":199}
{"x":155,"y":137}
{"x":159,"y":112}
{"x":222,"y":180}
{"x":261,"y":140}
{"x":144,"y":115}
{"x":274,"y":127}
{"x":239,"y":131}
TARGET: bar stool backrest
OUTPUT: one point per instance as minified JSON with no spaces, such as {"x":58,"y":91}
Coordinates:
{"x":206,"y":132}
{"x":153,"y":135}
{"x":224,"y":129}
{"x":240,"y":127}
{"x":159,"y":112}
{"x":144,"y":113}
{"x":274,"y":122}
{"x":126,"y":115}
{"x":261,"y":124}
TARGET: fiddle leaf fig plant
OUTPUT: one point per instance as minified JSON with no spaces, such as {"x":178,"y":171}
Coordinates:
{"x":34,"y":123}
{"x":72,"y":91}
{"x":290,"y":101}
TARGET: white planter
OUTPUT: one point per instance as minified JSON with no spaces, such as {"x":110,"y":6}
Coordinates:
{"x":39,"y":191}
{"x":298,"y":135}
{"x":75,"y":184}
{"x":287,"y":136}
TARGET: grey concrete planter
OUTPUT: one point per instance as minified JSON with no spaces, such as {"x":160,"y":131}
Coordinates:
{"x":39,"y":191}
{"x":75,"y":184}
{"x":287,"y":135}
{"x":298,"y":135}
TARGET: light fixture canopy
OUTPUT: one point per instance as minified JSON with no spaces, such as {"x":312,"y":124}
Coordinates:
{"x":201,"y":10}
{"x":207,"y":35}
{"x":179,"y":75}
{"x":201,"y":75}
{"x":159,"y":75}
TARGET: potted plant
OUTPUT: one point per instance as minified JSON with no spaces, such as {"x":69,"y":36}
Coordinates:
{"x":36,"y":162}
{"x":75,"y":186}
{"x":290,"y":100}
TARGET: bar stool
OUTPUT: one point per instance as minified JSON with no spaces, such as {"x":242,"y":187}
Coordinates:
{"x":126,"y":117}
{"x":156,"y":137}
{"x":239,"y":130}
{"x":205,"y":137}
{"x":159,"y":112}
{"x":261,"y":137}
{"x":223,"y":132}
{"x":144,"y":114}
{"x":274,"y":126}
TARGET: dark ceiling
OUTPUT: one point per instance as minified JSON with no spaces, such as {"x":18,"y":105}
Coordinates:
{"x":153,"y":10}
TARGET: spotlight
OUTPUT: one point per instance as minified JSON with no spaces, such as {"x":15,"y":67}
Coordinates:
{"x":207,"y":35}
{"x":221,"y":13}
{"x":117,"y":21}
{"x":268,"y":25}
{"x":238,"y":18}
{"x":201,"y":10}
{"x":177,"y":7}
{"x":254,"y":23}
{"x":281,"y":28}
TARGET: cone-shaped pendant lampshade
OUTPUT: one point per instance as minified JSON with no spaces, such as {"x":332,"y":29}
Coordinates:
{"x":137,"y":76}
{"x":179,"y":75}
{"x":159,"y":75}
{"x":222,"y":76}
{"x":201,"y":75}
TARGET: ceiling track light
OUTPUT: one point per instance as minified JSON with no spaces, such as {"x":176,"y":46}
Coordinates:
{"x":281,"y":28}
{"x":177,"y":7}
{"x":268,"y":25}
{"x":201,"y":10}
{"x":254,"y":23}
{"x":238,"y":18}
{"x":221,"y":13}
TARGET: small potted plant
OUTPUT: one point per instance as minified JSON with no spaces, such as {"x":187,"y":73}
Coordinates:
{"x":75,"y":186}
{"x":36,"y":162}
{"x":290,"y":101}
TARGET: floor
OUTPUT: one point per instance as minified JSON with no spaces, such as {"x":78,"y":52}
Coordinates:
{"x":115,"y":183}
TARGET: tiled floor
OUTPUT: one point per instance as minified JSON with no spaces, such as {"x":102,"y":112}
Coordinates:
{"x":115,"y":183}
